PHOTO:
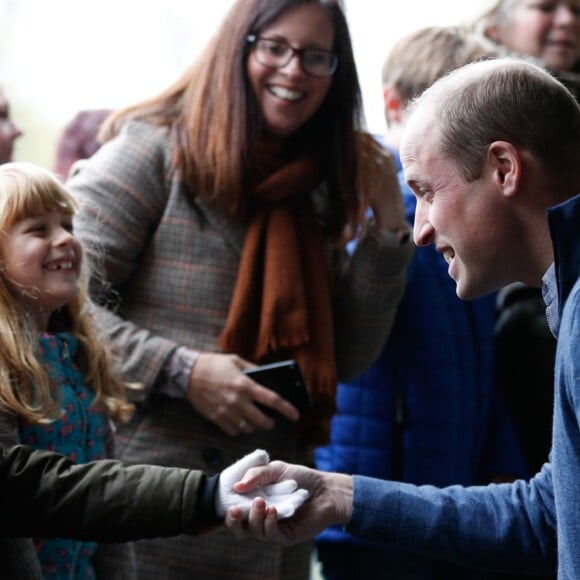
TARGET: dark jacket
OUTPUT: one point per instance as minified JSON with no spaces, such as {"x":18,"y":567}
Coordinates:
{"x":525,"y":353}
{"x":46,"y":494}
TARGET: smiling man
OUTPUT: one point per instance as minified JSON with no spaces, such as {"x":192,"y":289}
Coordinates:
{"x":492,"y":152}
{"x":484,"y":173}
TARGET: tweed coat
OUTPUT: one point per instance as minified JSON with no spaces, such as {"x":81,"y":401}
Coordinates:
{"x":172,"y":263}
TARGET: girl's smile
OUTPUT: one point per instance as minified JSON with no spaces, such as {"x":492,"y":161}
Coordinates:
{"x":42,"y":261}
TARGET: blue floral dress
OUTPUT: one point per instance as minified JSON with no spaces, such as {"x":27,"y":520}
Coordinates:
{"x":81,"y":434}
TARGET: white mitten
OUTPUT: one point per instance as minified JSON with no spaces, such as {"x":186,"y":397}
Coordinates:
{"x":283,"y":495}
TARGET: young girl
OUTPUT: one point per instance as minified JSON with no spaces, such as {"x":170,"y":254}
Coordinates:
{"x":56,"y":392}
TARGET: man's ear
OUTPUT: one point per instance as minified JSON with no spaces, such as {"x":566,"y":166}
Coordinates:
{"x":394,"y":105}
{"x":505,"y":163}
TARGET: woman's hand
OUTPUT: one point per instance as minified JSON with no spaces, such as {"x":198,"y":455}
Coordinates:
{"x":378,"y":183}
{"x":221,"y":392}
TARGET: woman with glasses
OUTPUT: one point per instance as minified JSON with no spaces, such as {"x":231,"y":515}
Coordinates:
{"x":219,"y":211}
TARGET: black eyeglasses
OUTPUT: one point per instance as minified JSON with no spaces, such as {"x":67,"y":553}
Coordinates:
{"x":278,"y":53}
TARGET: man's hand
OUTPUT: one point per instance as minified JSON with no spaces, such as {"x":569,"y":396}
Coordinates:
{"x":330,"y":503}
{"x":282,"y":495}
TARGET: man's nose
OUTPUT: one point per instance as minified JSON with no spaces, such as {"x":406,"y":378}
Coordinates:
{"x":422,"y":230}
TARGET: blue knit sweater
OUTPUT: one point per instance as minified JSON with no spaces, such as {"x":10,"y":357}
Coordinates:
{"x":530,"y":526}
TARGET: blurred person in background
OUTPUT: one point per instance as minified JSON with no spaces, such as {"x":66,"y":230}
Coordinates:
{"x":546,"y":29}
{"x":78,"y":139}
{"x":9,"y":131}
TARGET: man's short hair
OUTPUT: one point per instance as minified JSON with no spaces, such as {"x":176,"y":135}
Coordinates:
{"x":506,"y":99}
{"x":417,"y":60}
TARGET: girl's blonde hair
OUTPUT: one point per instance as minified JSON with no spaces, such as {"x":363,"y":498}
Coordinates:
{"x":25,"y":385}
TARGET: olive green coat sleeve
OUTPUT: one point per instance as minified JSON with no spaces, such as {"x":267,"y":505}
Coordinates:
{"x":45,"y":494}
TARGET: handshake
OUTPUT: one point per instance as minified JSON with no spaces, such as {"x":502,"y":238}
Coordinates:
{"x":266,"y":500}
{"x":285,"y":496}
{"x":47,"y":494}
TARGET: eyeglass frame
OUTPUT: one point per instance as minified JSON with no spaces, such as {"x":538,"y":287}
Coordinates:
{"x":253,"y":40}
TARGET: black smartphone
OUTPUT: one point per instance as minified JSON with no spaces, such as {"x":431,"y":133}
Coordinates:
{"x":284,"y":377}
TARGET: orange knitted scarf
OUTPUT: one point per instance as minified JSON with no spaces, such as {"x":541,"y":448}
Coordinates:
{"x":281,"y":306}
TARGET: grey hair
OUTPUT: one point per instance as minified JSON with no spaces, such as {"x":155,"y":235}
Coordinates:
{"x":498,"y":15}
